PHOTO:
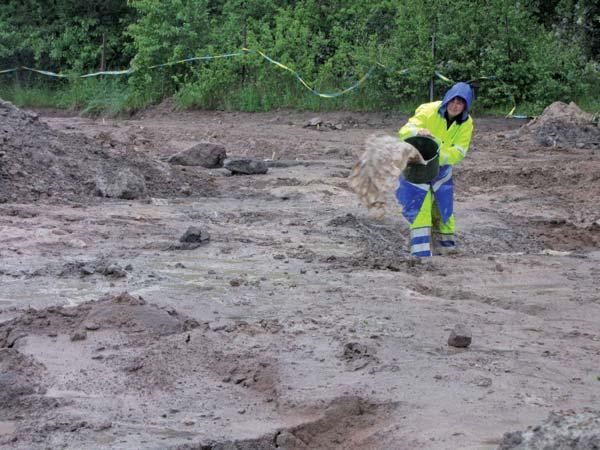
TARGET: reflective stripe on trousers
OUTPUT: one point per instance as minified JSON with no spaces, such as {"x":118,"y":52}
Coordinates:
{"x":420,"y":241}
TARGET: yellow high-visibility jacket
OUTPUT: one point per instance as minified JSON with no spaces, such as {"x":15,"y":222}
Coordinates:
{"x":454,"y":141}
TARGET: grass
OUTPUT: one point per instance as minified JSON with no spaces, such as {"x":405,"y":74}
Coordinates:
{"x":34,"y":96}
{"x":290,"y":95}
{"x":113,"y":96}
{"x":90,"y":96}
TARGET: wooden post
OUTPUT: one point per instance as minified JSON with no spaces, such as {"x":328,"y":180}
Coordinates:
{"x":103,"y":57}
{"x":245,"y":37}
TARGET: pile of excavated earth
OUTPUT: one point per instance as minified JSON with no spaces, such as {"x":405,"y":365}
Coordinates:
{"x":37,"y":163}
{"x":564,"y":125}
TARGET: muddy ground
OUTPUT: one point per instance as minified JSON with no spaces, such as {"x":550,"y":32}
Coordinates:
{"x":302,"y":323}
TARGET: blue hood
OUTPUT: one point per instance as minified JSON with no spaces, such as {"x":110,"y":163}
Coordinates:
{"x":462,"y":90}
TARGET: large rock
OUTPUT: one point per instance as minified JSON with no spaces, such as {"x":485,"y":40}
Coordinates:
{"x":245,"y":166}
{"x":123,"y":184}
{"x":205,"y":154}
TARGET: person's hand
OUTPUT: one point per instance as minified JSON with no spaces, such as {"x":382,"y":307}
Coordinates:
{"x":424,"y":132}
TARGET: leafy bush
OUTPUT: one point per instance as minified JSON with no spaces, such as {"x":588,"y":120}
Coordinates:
{"x":536,"y":52}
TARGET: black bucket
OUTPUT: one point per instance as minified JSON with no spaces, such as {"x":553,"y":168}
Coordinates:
{"x":430,"y":151}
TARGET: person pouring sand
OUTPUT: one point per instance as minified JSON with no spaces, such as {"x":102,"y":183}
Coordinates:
{"x":428,"y":207}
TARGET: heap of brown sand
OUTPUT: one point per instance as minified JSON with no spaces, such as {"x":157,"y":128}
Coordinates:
{"x":564,"y":125}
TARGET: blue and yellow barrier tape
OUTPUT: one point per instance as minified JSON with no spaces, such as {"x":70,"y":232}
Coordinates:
{"x":245,"y":51}
{"x":197,"y":58}
{"x":109,"y":72}
{"x":308,"y":86}
{"x":46,"y":72}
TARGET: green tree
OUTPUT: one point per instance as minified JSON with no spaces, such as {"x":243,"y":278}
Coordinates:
{"x":66,"y":36}
{"x":166,"y":31}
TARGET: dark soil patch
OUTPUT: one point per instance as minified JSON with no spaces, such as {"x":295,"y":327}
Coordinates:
{"x":123,"y":312}
{"x":37,"y":162}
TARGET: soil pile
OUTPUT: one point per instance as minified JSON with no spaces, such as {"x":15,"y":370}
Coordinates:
{"x":37,"y":162}
{"x":124,"y":313}
{"x":19,"y":377}
{"x":562,"y":125}
{"x":561,"y":431}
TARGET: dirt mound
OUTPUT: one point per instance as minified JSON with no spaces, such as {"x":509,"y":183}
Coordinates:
{"x":349,"y":422}
{"x":561,"y":431}
{"x":37,"y":162}
{"x":562,"y":125}
{"x":19,"y":376}
{"x":123,"y":312}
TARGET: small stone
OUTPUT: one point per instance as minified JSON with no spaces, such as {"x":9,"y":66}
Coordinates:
{"x":115,"y":271}
{"x":87,"y":269}
{"x":134,"y":366}
{"x":314,"y":122}
{"x":235,"y":282}
{"x":91,"y":326}
{"x":80,"y":335}
{"x":460,"y":337}
{"x":483,"y":382}
{"x":194,"y":234}
{"x":101,"y":426}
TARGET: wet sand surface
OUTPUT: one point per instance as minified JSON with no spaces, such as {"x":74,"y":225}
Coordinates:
{"x":302,"y":323}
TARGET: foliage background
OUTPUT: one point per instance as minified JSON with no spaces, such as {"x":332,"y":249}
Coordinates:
{"x":542,"y":51}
